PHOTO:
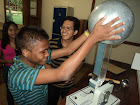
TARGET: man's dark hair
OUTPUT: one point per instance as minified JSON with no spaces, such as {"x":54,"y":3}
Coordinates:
{"x":28,"y":36}
{"x":75,"y":21}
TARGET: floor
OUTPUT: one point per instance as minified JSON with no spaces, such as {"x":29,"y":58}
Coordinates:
{"x":85,"y":68}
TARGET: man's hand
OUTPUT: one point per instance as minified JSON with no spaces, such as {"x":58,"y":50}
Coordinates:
{"x":105,"y":32}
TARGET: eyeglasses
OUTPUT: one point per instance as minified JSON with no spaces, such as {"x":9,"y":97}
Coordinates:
{"x":66,"y":28}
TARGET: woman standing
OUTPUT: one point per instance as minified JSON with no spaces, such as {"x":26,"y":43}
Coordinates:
{"x":7,"y":52}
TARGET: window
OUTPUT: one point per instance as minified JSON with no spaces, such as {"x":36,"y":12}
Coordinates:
{"x":13,"y":9}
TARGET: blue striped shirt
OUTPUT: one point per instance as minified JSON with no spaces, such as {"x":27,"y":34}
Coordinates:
{"x":21,"y":78}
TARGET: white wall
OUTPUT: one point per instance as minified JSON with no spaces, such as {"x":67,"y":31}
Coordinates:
{"x":122,"y":53}
{"x":82,"y":9}
{"x":2,"y":13}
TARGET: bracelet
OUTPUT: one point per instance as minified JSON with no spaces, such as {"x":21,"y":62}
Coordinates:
{"x":86,"y":33}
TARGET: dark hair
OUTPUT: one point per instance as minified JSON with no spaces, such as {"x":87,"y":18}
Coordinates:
{"x":75,"y":21}
{"x":5,"y":36}
{"x":28,"y":36}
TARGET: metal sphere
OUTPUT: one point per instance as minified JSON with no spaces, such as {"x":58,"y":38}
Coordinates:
{"x":113,"y":9}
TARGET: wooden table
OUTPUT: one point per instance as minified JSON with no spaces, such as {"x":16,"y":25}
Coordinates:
{"x":128,"y":96}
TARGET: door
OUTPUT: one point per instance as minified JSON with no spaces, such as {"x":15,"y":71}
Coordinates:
{"x":28,"y":18}
{"x":59,"y":15}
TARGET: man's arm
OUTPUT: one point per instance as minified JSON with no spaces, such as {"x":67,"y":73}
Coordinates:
{"x":68,"y":68}
{"x":48,"y":66}
{"x":74,"y":45}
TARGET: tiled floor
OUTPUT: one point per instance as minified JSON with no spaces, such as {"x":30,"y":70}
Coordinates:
{"x":85,"y":68}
